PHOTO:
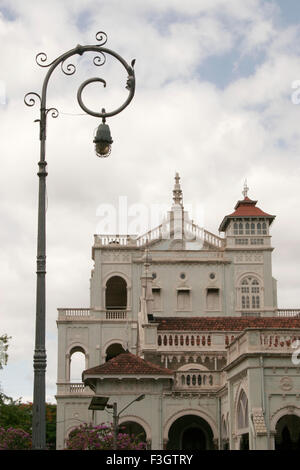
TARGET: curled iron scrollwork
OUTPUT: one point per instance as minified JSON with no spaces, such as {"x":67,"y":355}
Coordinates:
{"x":100,"y":59}
{"x":68,"y":69}
{"x":41,"y":58}
{"x":54,"y":112}
{"x":30,"y":98}
{"x":101,"y":36}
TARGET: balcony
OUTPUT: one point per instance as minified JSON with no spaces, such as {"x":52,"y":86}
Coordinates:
{"x":195,"y":380}
{"x":86,"y":314}
{"x":77,"y":389}
{"x":162,"y":232}
{"x":263,"y":340}
{"x":288,"y":312}
{"x":183,"y":341}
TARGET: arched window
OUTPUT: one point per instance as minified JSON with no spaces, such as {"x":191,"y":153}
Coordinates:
{"x":259,"y":228}
{"x":114,"y":350}
{"x":252,"y":228}
{"x":77,"y":364}
{"x":242,"y":411}
{"x":250,"y":293}
{"x":116,"y":293}
{"x":247,"y":228}
{"x":241,"y":228}
{"x":264,"y":228}
{"x":235,"y":229}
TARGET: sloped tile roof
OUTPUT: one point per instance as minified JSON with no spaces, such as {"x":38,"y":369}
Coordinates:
{"x":245,"y":208}
{"x":225,"y":323}
{"x":127,"y":364}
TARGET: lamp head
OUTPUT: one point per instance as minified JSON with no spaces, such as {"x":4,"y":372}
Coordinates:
{"x":103,"y":141}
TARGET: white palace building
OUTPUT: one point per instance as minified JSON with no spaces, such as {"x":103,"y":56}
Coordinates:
{"x":190,"y":320}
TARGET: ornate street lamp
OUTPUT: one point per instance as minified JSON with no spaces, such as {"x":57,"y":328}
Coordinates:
{"x":100,"y":403}
{"x":103,"y":143}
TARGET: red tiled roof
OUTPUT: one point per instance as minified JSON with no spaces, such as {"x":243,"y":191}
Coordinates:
{"x":245,"y":208}
{"x":127,"y":364}
{"x":225,"y":323}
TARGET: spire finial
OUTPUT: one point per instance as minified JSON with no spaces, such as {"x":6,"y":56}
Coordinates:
{"x":246,"y":189}
{"x":177,"y":192}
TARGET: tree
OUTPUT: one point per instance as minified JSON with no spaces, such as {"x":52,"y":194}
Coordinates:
{"x":17,"y":415}
{"x":89,"y":437}
{"x":14,"y":439}
{"x":4,"y":339}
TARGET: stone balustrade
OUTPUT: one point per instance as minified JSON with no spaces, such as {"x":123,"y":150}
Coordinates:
{"x":69,"y":388}
{"x":68,"y":313}
{"x":86,"y":314}
{"x":275,"y":340}
{"x":183,"y":341}
{"x":167,"y":341}
{"x":191,"y":232}
{"x":288,"y":312}
{"x":116,"y":315}
{"x":195,"y":380}
{"x":263,"y":340}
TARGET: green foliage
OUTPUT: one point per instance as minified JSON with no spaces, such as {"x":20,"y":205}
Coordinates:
{"x":18,"y":415}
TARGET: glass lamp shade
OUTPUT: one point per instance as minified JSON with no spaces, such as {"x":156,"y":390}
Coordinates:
{"x":102,"y":149}
{"x":103,"y":141}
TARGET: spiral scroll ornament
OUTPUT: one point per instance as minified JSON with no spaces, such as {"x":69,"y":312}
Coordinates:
{"x":54,"y":112}
{"x":68,"y":69}
{"x":41,"y":58}
{"x":30,"y":98}
{"x":101,"y":36}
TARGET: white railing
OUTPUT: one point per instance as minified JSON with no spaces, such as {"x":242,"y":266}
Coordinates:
{"x":86,"y":314}
{"x":191,"y":231}
{"x":200,"y":233}
{"x":76,"y":388}
{"x":288,"y":312}
{"x":170,"y":341}
{"x":263,"y":340}
{"x":276,"y":340}
{"x":74,"y":312}
{"x":194,"y":380}
{"x":116,"y":315}
{"x":115,"y":239}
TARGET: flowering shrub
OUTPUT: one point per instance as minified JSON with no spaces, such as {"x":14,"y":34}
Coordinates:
{"x":14,"y":439}
{"x":89,"y":437}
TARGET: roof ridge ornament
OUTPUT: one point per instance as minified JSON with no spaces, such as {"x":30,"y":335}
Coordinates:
{"x":245,"y":190}
{"x":177,"y":191}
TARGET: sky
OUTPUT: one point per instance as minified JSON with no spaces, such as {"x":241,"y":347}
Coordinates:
{"x":217,"y":99}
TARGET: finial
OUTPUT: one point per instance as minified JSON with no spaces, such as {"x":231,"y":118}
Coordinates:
{"x":246,"y":189}
{"x":147,"y":258}
{"x":177,"y":192}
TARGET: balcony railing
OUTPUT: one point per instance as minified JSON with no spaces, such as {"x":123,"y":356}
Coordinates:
{"x":183,"y":341}
{"x":263,"y":340}
{"x":73,"y":314}
{"x":167,"y":341}
{"x":288,"y":312}
{"x":191,"y":231}
{"x":77,"y":388}
{"x":116,"y":315}
{"x":195,"y":380}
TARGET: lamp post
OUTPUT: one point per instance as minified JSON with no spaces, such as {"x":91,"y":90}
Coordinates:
{"x":99,"y":403}
{"x":103,"y":143}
